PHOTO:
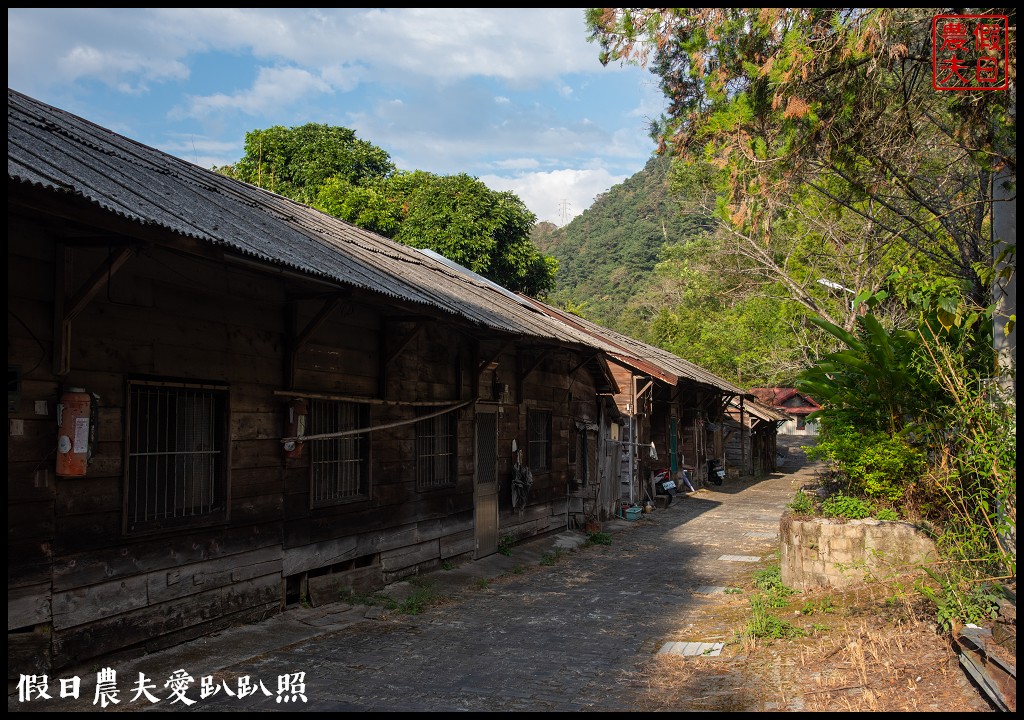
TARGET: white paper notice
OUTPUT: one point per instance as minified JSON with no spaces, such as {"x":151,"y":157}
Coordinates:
{"x":81,"y":435}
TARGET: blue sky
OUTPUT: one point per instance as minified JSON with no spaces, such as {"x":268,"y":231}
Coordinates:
{"x":513,"y":96}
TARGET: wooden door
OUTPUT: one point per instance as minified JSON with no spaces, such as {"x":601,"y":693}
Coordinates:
{"x":485,"y":485}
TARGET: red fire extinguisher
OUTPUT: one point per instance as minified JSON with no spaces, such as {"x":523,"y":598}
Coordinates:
{"x":73,"y":434}
{"x":295,"y":428}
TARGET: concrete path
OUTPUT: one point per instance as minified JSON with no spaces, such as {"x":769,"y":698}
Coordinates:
{"x":558,"y":625}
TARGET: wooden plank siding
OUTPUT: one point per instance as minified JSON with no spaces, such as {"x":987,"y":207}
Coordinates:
{"x":79,"y":586}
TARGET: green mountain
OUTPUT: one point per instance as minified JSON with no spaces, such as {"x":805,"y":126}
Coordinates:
{"x":606,"y":256}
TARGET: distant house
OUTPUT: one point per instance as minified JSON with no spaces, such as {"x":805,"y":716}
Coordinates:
{"x":750,"y":437}
{"x":794,"y":403}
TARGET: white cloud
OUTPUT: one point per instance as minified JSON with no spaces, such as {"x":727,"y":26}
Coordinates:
{"x":274,"y":87}
{"x":558,"y":196}
{"x":520,"y":45}
{"x":515,"y":95}
{"x":84,"y":61}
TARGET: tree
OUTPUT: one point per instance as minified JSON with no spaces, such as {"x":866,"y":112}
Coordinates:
{"x":715,"y":316}
{"x":296,"y":162}
{"x":457,"y":216}
{"x":484,"y":230}
{"x":817,"y":137}
{"x":822,"y":122}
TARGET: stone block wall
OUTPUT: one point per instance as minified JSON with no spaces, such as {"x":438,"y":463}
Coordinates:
{"x":824,"y":552}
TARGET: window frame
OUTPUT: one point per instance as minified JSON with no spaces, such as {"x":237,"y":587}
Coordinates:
{"x":218,"y":434}
{"x":539,"y":442}
{"x":431,"y":447}
{"x":341,"y":447}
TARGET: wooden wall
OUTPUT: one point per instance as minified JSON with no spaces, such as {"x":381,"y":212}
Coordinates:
{"x":80,"y":587}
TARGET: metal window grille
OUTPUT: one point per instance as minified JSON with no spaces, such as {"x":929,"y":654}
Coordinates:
{"x":435,"y":451}
{"x":539,"y":439}
{"x":176,"y":453}
{"x":339,"y":465}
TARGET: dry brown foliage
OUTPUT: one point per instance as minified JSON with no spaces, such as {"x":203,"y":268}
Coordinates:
{"x":872,"y":648}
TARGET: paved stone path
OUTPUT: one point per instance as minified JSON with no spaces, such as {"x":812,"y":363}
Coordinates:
{"x":564,"y":635}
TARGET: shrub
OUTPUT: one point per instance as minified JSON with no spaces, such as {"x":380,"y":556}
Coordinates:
{"x":845,"y":506}
{"x":802,"y":504}
{"x":870,"y":464}
{"x":763,"y":624}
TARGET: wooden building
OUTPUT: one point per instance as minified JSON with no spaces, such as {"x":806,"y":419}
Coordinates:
{"x":222,"y":402}
{"x":673,"y":410}
{"x":751,"y":433}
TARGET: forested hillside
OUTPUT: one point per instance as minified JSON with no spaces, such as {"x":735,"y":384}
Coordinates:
{"x":642,"y":262}
{"x":606,"y":256}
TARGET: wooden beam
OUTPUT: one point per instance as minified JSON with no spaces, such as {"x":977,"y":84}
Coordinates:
{"x":96,"y":282}
{"x":386,"y":358}
{"x":474,"y":379}
{"x":404,"y":343}
{"x":644,"y":389}
{"x":743,"y":443}
{"x":581,"y":363}
{"x":63,"y":271}
{"x":328,"y":307}
{"x":523,"y":371}
{"x":297,"y":339}
{"x":65,"y":309}
{"x":291,"y":313}
{"x":492,"y":358}
{"x":534,"y":365}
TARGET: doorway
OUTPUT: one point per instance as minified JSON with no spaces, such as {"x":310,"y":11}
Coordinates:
{"x":485,"y":482}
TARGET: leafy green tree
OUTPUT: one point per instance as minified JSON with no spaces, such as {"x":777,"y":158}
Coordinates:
{"x":296,"y":162}
{"x":717,"y":318}
{"x":774,"y":105}
{"x":479,"y":228}
{"x":369,"y":206}
{"x":457,"y":216}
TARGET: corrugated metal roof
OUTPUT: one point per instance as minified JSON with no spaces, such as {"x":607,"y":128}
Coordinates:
{"x":759,"y":410}
{"x":63,"y":153}
{"x":646,"y":358}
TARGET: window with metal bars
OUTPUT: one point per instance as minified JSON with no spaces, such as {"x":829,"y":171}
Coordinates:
{"x":339,"y":467}
{"x":176,"y":466}
{"x":538,"y":433}
{"x":436,"y":453}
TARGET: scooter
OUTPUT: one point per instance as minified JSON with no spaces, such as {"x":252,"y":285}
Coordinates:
{"x":665,"y":485}
{"x":716,"y":473}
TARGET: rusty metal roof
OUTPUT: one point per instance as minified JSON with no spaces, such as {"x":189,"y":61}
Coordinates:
{"x":646,"y":358}
{"x":760,"y":410}
{"x":54,"y":150}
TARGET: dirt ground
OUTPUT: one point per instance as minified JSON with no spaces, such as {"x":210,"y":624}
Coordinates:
{"x":873,"y":648}
{"x":864,"y":650}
